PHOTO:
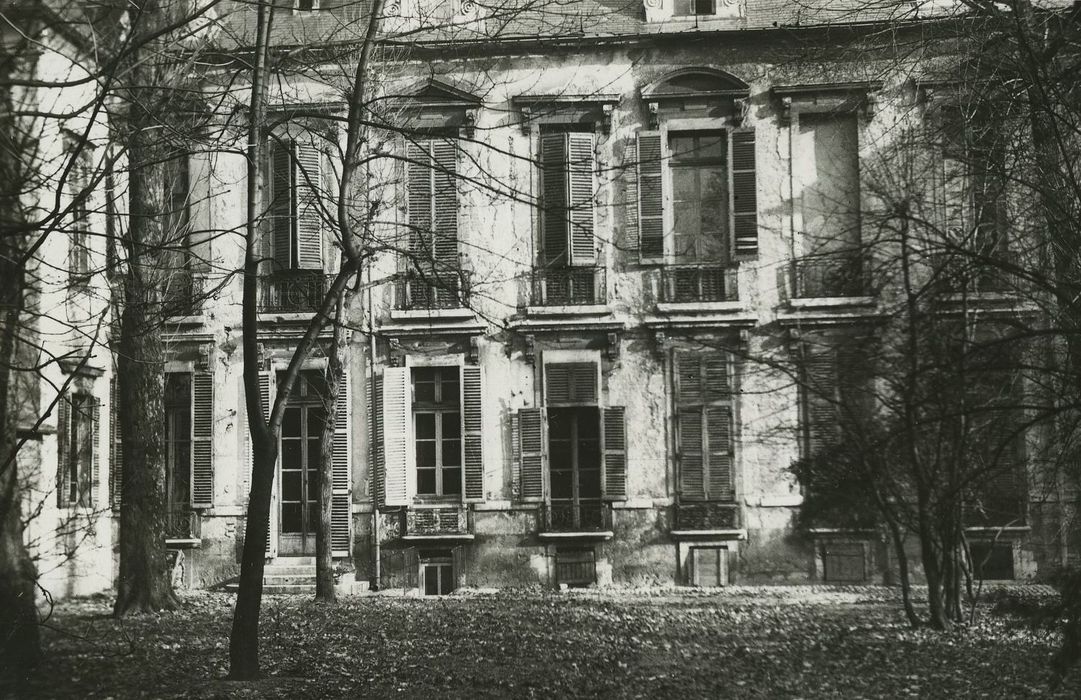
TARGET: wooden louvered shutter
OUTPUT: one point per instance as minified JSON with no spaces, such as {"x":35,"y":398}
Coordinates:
{"x":308,"y":179}
{"x":419,"y":183}
{"x":554,"y":225}
{"x":614,"y":435}
{"x":266,"y":395}
{"x":718,"y":431}
{"x":532,"y":455}
{"x":744,"y":193}
{"x":375,"y":425}
{"x":571,"y":382}
{"x":629,"y":176}
{"x":267,"y":390}
{"x":580,"y":167}
{"x":397,"y":437}
{"x":116,"y":448}
{"x":650,"y":196}
{"x":282,"y":209}
{"x":340,"y":501}
{"x":94,"y":451}
{"x":445,"y":186}
{"x":63,"y":450}
{"x":472,"y":419}
{"x":202,"y":440}
{"x":820,"y":388}
{"x":704,"y":426}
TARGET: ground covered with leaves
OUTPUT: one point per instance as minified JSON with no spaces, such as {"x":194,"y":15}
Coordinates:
{"x":773,"y":642}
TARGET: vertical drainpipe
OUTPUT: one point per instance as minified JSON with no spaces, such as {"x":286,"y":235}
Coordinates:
{"x":372,"y":474}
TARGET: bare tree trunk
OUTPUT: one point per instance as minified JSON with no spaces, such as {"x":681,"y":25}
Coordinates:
{"x":324,"y":564}
{"x":903,"y":573}
{"x":20,"y":644}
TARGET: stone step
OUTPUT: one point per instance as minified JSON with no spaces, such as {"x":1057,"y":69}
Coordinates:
{"x":278,"y":588}
{"x":293,"y":561}
{"x":289,"y":571}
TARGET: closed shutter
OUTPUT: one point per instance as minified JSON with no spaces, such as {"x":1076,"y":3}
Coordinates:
{"x":202,"y":440}
{"x":472,"y":423}
{"x":419,"y":183}
{"x":308,"y":180}
{"x":116,"y":448}
{"x":63,"y":451}
{"x":613,"y":433}
{"x":571,"y":382}
{"x":281,"y":204}
{"x":341,"y":502}
{"x":580,"y":167}
{"x":744,"y":193}
{"x":629,"y":175}
{"x":532,"y":457}
{"x":704,"y":426}
{"x":820,"y":404}
{"x":445,"y":157}
{"x":650,"y":196}
{"x":375,"y":406}
{"x":94,"y":451}
{"x":554,"y":224}
{"x":397,"y":437}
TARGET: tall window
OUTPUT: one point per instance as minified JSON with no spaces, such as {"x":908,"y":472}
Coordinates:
{"x":704,"y":426}
{"x":296,"y":219}
{"x":699,"y":195}
{"x":574,"y":446}
{"x":79,"y":240}
{"x":178,"y":439}
{"x":437,"y":430}
{"x":694,"y":7}
{"x":78,"y":419}
{"x":826,"y":167}
{"x":566,"y":160}
{"x":301,"y":450}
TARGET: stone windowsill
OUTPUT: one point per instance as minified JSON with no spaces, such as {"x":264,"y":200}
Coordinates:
{"x":723,"y":534}
{"x":421,"y":314}
{"x":569,"y":310}
{"x":416,"y":536}
{"x":700,"y":307}
{"x":830,"y":302}
{"x":577,"y":535}
{"x":183,"y":543}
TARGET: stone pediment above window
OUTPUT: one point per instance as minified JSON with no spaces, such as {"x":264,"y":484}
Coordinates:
{"x":696,"y":92}
{"x":438,"y":105}
{"x":594,"y":109}
{"x":827,"y":97}
{"x":694,"y":11}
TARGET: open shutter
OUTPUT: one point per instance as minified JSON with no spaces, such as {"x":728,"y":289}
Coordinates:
{"x":532,"y":457}
{"x":202,"y":440}
{"x":375,"y":411}
{"x":282,"y":207}
{"x":419,"y":182}
{"x":820,"y":388}
{"x":472,"y":418}
{"x":613,"y":434}
{"x":744,"y":193}
{"x":554,"y":225}
{"x":95,"y":451}
{"x":691,"y":458}
{"x":650,"y":196}
{"x":629,"y":176}
{"x":719,"y":486}
{"x":341,"y":503}
{"x":397,"y":437}
{"x":266,"y":384}
{"x":309,"y":220}
{"x":580,"y":167}
{"x":445,"y":202}
{"x":116,"y":448}
{"x":63,"y":450}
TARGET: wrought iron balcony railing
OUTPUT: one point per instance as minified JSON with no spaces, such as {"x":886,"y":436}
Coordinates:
{"x":568,"y":286}
{"x":957,"y":272}
{"x":583,"y":516}
{"x":183,"y":292}
{"x":432,"y":291}
{"x":682,"y":284}
{"x":706,"y":515}
{"x":292,"y":291}
{"x":830,"y":275}
{"x":449,"y":520}
{"x":182,"y":523}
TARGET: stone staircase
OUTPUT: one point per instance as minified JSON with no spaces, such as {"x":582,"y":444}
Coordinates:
{"x":286,"y":575}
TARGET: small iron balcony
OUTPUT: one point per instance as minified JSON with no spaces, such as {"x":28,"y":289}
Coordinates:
{"x":431,"y":291}
{"x":682,"y":284}
{"x":292,"y":291}
{"x":568,"y":286}
{"x":584,"y":516}
{"x":830,"y":275}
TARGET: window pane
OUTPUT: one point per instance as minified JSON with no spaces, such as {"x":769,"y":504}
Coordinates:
{"x":315,"y":448}
{"x":589,"y":423}
{"x":290,"y":486}
{"x":560,"y":424}
{"x":589,"y":483}
{"x":317,"y":417}
{"x":452,"y":453}
{"x":452,"y":424}
{"x":425,"y":426}
{"x":291,"y":520}
{"x":291,"y":422}
{"x":560,"y":453}
{"x":426,"y":481}
{"x":562,"y":484}
{"x":291,"y":451}
{"x":423,"y":386}
{"x":452,"y":481}
{"x":425,"y":453}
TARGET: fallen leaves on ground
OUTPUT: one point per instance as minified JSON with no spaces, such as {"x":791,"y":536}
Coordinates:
{"x":765,"y":643}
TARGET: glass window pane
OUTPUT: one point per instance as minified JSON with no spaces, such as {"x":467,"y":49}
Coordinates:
{"x":589,"y":423}
{"x":291,"y":454}
{"x":562,"y":484}
{"x":290,"y":486}
{"x":452,"y":481}
{"x":589,"y":483}
{"x":317,"y":416}
{"x":313,"y":486}
{"x":560,"y":454}
{"x":425,"y":453}
{"x":560,"y":424}
{"x":291,"y":422}
{"x":426,"y":481}
{"x":452,"y":453}
{"x":452,"y":424}
{"x":425,"y":426}
{"x":291,"y":519}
